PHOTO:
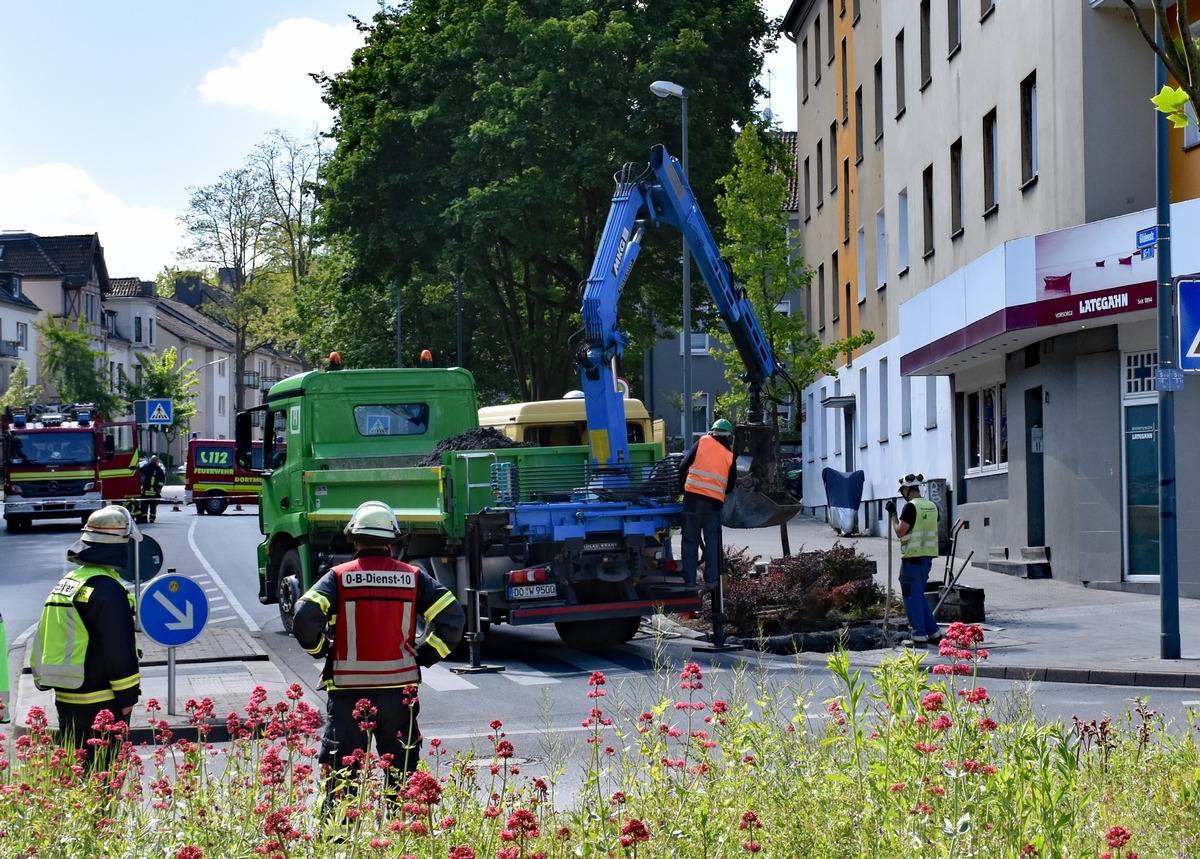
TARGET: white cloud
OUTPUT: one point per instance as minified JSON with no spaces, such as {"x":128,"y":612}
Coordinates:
{"x":275,"y":76}
{"x":62,"y":200}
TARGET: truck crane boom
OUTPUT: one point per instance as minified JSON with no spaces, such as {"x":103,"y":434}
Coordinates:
{"x":660,"y":194}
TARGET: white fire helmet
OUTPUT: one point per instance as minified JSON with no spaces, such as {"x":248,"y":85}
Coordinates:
{"x":112,"y":524}
{"x":373,"y":519}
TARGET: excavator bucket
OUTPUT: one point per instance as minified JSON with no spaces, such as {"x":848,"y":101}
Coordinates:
{"x":758,"y":500}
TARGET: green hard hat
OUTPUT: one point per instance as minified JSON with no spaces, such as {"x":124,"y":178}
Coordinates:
{"x":722,"y":425}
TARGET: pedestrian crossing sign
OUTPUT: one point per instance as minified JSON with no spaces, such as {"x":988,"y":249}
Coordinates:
{"x":379,"y":425}
{"x":1188,"y":293}
{"x":156,"y":413}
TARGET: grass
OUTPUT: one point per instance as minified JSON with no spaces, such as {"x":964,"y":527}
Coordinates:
{"x":912,"y":763}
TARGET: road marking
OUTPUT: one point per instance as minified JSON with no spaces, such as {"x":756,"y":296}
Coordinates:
{"x":246,"y":618}
{"x":441,"y":679}
{"x":523,"y":675}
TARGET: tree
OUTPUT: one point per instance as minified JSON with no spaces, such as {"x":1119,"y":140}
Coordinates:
{"x":1180,"y":55}
{"x":161,"y":379}
{"x":228,"y":225}
{"x":479,"y":141}
{"x":74,"y":369}
{"x":288,"y":167}
{"x":20,"y":393}
{"x":767,"y":264}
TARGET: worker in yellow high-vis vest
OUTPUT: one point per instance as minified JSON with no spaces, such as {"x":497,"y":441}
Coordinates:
{"x":5,"y":700}
{"x":917,"y":528}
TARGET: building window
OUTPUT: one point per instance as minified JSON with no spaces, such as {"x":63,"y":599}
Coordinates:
{"x":1029,"y":136}
{"x":878,"y":100}
{"x":858,"y":126}
{"x":89,"y":303}
{"x":880,"y":250}
{"x":137,"y":329}
{"x":821,"y":296}
{"x":846,"y":200}
{"x":845,"y":85}
{"x":1191,"y":131}
{"x":860,"y":240}
{"x":953,"y":26}
{"x":900,"y":74}
{"x":835,"y":282}
{"x":700,"y":410}
{"x":15,"y":283}
{"x":829,"y":32}
{"x":986,"y":430}
{"x":23,"y":335}
{"x":807,"y":191}
{"x":927,"y":208}
{"x":931,"y":402}
{"x":1139,"y":373}
{"x":817,"y":50}
{"x":863,"y":403}
{"x":804,"y":69}
{"x":810,"y":429}
{"x":820,"y":420}
{"x":150,"y":326}
{"x":112,"y":375}
{"x":986,"y":7}
{"x":884,"y":385}
{"x":956,"y":188}
{"x":833,"y":157}
{"x":902,"y":231}
{"x":905,"y":405}
{"x":848,"y":328}
{"x":820,"y":174}
{"x":991,"y":187}
{"x":221,"y":367}
{"x":926,"y":47}
{"x":699,"y":342}
{"x":857,"y":10}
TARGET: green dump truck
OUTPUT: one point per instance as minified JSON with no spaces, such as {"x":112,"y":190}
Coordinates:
{"x":521,"y":535}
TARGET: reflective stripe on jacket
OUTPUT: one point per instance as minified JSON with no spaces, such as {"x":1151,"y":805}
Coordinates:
{"x":921,"y":541}
{"x":709,"y":472}
{"x":375,"y":625}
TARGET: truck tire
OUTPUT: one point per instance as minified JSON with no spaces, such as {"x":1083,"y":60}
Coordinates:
{"x":16,"y":524}
{"x":287,"y":587}
{"x":597,"y":634}
{"x":214,"y":503}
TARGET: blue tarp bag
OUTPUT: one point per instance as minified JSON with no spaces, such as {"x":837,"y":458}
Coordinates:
{"x":843,"y":493}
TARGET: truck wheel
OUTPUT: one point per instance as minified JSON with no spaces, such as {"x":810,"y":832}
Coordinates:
{"x":214,"y":503}
{"x":16,"y":524}
{"x":288,"y":587}
{"x":597,"y":634}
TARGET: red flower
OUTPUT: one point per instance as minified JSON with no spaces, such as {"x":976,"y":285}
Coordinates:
{"x":189,"y":853}
{"x":749,"y":821}
{"x":933,"y":701}
{"x":1118,"y":836}
{"x":635,"y":831}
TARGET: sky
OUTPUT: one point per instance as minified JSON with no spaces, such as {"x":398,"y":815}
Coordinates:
{"x":115,"y":112}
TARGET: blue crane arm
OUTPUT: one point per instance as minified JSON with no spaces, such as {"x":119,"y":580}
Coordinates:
{"x":659,"y":195}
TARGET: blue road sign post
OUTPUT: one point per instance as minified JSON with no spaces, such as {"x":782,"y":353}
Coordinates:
{"x":1188,"y":296}
{"x":173,"y":611}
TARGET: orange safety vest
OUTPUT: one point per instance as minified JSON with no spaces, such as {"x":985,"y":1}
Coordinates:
{"x":375,"y":634}
{"x":709,"y":471}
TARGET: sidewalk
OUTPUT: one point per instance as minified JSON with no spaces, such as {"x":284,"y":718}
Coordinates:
{"x":1039,"y":629}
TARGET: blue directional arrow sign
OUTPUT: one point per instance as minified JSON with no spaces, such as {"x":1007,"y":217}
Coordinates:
{"x":173,"y":609}
{"x":1188,"y":292}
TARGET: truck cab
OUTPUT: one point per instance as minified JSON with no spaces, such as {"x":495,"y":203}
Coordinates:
{"x":213,"y":478}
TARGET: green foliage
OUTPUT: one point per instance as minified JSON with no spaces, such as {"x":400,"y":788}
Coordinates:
{"x":767,"y":263}
{"x":20,"y":393}
{"x":163,"y":379}
{"x":77,"y":371}
{"x":480,"y":140}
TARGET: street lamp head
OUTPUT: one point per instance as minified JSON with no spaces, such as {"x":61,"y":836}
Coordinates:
{"x":663,"y":89}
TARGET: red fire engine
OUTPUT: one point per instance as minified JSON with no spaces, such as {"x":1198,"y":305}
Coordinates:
{"x":65,"y":462}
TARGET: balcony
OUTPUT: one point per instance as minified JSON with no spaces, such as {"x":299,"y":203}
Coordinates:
{"x":267,"y":382}
{"x":250,"y":379}
{"x":8,"y":348}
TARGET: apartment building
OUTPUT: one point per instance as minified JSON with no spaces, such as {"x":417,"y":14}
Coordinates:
{"x":1006,"y":175}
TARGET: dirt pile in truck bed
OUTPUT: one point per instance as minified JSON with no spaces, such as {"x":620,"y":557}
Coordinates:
{"x":482,"y":438}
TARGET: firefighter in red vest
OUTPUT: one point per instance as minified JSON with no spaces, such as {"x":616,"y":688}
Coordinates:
{"x":376,"y":622}
{"x":707,"y":472}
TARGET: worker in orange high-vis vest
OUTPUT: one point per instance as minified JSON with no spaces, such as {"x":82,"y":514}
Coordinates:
{"x":707,"y":473}
{"x":363,"y":617}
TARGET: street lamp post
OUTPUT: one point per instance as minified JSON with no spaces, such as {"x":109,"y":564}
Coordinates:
{"x":664,"y":89}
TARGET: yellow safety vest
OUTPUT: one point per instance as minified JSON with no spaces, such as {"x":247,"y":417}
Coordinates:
{"x":60,"y":646}
{"x":922,"y":539}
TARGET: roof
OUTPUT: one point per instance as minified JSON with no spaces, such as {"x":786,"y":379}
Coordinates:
{"x":791,"y":141}
{"x":131,"y":287}
{"x":54,"y":257}
{"x":187,"y":323}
